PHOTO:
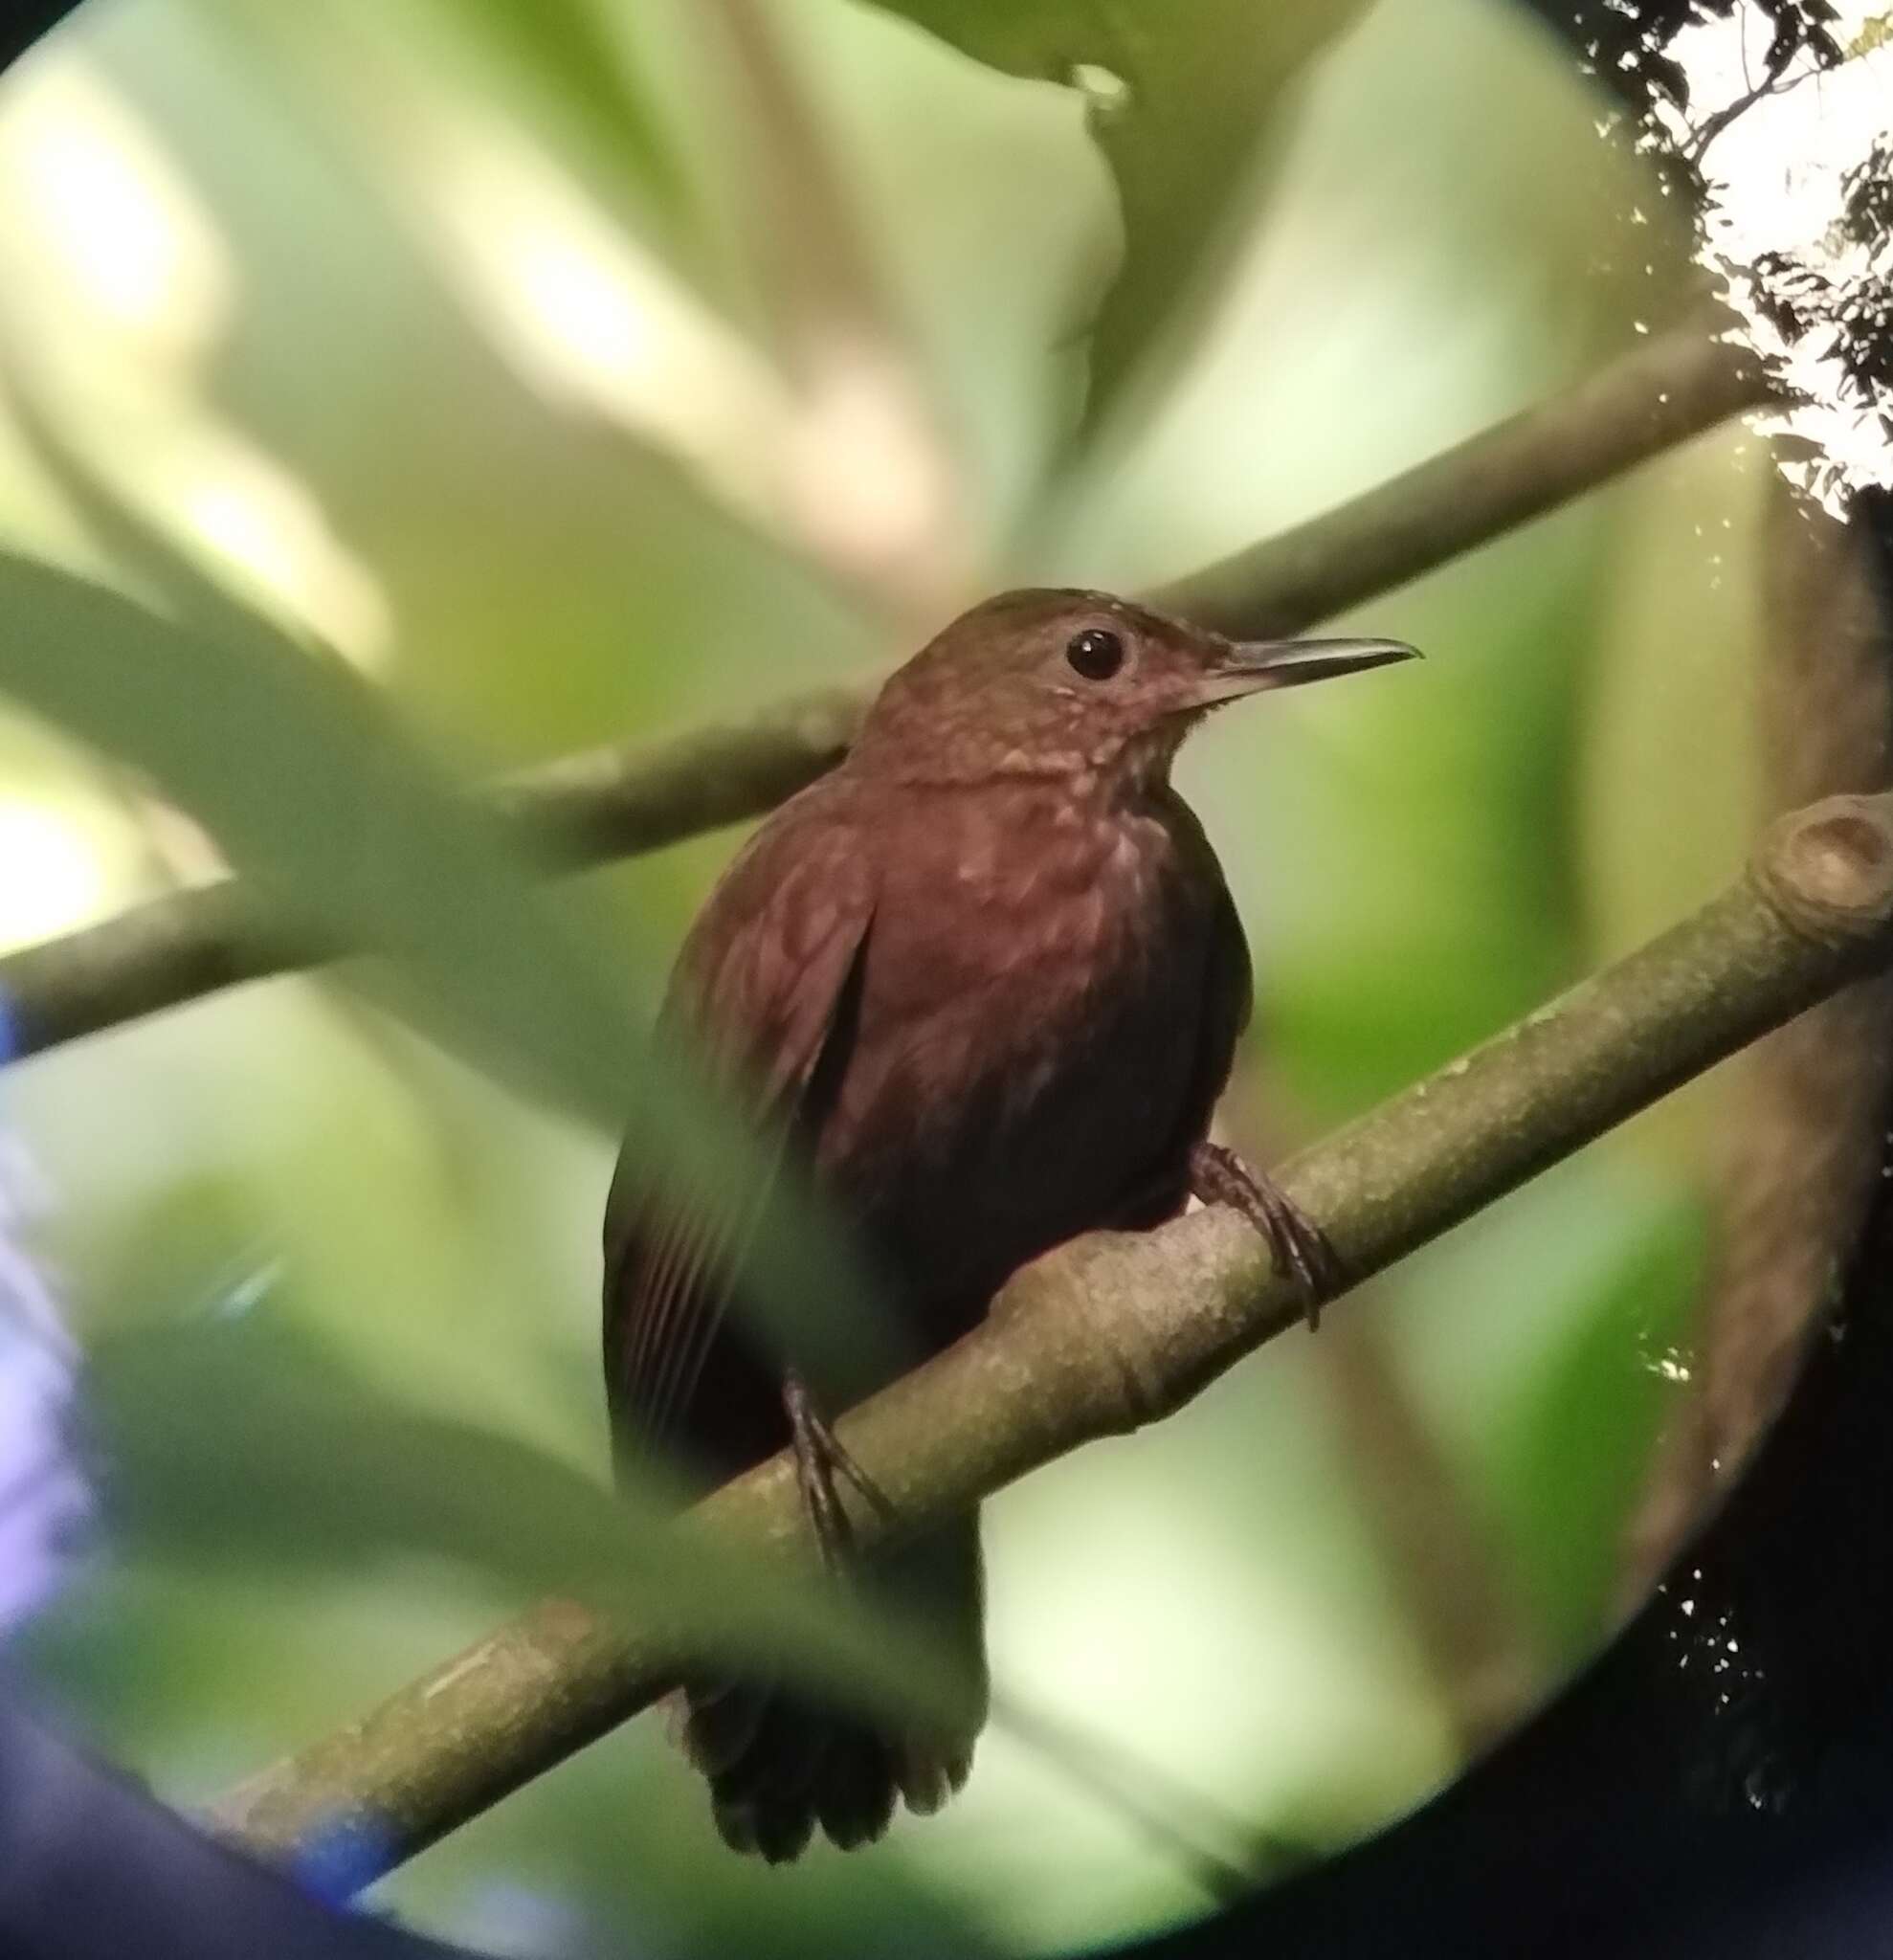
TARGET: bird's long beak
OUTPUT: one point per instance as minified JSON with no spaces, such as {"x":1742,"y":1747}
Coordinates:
{"x":1249,"y":666}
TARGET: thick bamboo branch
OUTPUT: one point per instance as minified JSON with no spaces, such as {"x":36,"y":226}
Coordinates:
{"x":1801,"y":1149}
{"x":615,"y":802}
{"x":1120,"y":1329}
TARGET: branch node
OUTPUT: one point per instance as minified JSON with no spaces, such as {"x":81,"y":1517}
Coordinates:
{"x":1082,"y":1300}
{"x":1827,"y":871}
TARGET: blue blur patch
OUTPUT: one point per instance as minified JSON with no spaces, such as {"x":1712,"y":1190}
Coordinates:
{"x":337,"y":1859}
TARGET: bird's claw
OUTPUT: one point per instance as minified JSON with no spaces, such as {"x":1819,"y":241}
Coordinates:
{"x":819,"y":1454}
{"x":1302,"y":1251}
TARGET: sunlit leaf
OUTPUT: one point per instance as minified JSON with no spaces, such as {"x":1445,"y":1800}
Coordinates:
{"x":1185,"y":97}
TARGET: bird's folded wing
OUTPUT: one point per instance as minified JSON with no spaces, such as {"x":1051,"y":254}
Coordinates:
{"x":769,"y":985}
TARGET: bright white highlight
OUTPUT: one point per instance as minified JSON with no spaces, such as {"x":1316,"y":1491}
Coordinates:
{"x":112,"y":223}
{"x":119,"y":291}
{"x":1773,"y":176}
{"x":51,"y":877}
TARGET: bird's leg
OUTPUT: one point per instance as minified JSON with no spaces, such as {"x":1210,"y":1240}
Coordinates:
{"x":1303,"y":1252}
{"x":818,"y":1456}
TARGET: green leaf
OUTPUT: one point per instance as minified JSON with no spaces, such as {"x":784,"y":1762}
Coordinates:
{"x":1186,"y":94}
{"x":242,"y":1443}
{"x":313,"y":791}
{"x":561,"y":49}
{"x":310,"y":790}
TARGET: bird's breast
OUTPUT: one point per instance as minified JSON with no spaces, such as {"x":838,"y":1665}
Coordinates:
{"x":1027,"y":1033}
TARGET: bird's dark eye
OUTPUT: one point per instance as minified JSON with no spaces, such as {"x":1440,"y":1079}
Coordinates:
{"x":1096,"y":653}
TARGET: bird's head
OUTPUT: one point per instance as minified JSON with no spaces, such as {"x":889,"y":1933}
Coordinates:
{"x":1053,"y":683}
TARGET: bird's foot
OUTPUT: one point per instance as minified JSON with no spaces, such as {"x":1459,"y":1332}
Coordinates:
{"x":1302,"y":1251}
{"x":818,"y":1456}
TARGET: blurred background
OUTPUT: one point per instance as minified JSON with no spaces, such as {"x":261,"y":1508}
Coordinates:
{"x":582,"y":369}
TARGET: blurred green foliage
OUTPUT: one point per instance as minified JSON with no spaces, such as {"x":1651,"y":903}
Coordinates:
{"x":1182,"y":105}
{"x":574,"y":369}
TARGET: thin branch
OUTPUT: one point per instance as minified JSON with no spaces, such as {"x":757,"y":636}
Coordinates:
{"x":1775,"y":82}
{"x":1443,"y":1558}
{"x":1116,"y":1330}
{"x":1683,"y":382}
{"x":581,"y":811}
{"x":615,"y":802}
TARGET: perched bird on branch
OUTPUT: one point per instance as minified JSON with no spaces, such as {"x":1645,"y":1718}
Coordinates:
{"x":987,"y":980}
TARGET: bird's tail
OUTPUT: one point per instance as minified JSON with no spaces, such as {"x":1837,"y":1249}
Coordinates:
{"x":780,"y":1762}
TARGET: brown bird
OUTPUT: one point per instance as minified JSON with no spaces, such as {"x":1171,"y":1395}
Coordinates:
{"x":988,"y":975}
